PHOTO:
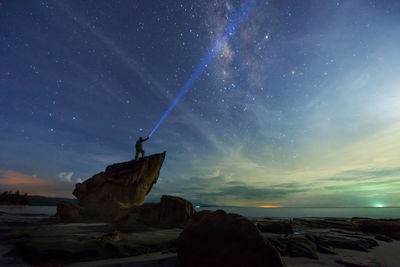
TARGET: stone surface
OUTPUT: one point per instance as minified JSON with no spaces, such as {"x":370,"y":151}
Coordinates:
{"x":175,"y":211}
{"x":171,"y":212}
{"x":310,"y":242}
{"x":68,"y":211}
{"x":221,"y":239}
{"x":344,"y":240}
{"x":110,"y":195}
{"x":50,"y":243}
{"x":301,"y":246}
{"x":275,"y":226}
{"x":337,"y":223}
{"x":390,"y":228}
{"x":125,"y":184}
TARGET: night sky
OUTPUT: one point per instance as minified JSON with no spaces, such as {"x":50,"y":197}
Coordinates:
{"x":300,"y":107}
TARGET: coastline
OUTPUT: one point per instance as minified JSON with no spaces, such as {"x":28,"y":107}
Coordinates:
{"x":155,"y":247}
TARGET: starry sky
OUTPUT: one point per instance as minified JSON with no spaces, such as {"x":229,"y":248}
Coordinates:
{"x":299,"y":107}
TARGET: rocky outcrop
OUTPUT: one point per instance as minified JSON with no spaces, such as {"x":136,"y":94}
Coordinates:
{"x":221,"y":239}
{"x":111,"y":194}
{"x":125,"y":184}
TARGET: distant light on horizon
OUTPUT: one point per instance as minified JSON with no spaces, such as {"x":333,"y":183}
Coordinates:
{"x":268,"y":206}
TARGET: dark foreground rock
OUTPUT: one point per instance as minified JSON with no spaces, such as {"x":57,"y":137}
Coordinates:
{"x":57,"y":244}
{"x":221,"y":239}
{"x":210,"y":239}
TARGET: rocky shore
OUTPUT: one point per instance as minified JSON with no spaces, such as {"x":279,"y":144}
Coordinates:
{"x":47,"y":241}
{"x":111,"y":226}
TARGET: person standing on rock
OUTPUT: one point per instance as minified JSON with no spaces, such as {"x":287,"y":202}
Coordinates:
{"x":139,"y":147}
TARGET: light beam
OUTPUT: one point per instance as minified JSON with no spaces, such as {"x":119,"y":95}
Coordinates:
{"x":240,"y":16}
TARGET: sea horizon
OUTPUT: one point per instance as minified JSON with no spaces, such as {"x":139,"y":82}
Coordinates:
{"x":255,"y":212}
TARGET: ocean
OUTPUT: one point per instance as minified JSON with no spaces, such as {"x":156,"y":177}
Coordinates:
{"x":387,"y":213}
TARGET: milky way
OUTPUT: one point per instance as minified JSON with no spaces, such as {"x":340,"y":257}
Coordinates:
{"x":299,"y":107}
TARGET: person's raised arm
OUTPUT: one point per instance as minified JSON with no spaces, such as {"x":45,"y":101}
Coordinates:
{"x":147,"y":138}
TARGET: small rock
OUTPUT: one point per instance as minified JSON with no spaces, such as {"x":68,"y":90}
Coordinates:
{"x":383,"y":238}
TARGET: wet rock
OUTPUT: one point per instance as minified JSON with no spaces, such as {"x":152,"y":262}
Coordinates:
{"x":63,"y":243}
{"x":311,"y":223}
{"x":354,"y":264}
{"x":383,"y":238}
{"x":221,"y":239}
{"x":301,"y":246}
{"x":275,"y":226}
{"x":345,"y":241}
{"x":390,"y":228}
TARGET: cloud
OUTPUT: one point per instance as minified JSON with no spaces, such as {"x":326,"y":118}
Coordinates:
{"x":65,"y":176}
{"x":222,"y":190}
{"x":11,"y":180}
{"x":368,"y":174}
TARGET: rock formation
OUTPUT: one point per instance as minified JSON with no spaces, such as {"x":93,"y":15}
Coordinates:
{"x":221,"y":239}
{"x":112,"y":194}
{"x":118,"y":193}
{"x":124,"y":184}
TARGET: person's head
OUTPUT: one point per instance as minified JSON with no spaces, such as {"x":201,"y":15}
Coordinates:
{"x":140,"y":138}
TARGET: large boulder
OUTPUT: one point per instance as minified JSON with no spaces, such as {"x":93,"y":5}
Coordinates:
{"x":221,"y":239}
{"x":125,"y":184}
{"x":171,"y":212}
{"x":111,"y":194}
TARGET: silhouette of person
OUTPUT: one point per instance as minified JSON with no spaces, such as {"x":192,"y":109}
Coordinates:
{"x":139,"y":147}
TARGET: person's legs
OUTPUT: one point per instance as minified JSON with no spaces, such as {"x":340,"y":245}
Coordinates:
{"x":142,"y":153}
{"x":136,"y":155}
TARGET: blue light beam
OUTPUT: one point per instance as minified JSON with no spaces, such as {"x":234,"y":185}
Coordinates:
{"x":240,"y":16}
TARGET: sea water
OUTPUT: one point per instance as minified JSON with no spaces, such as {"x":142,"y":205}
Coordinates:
{"x":300,"y":212}
{"x":384,"y":212}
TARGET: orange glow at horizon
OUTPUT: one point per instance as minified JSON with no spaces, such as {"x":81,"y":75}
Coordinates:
{"x":11,"y":180}
{"x":268,"y":206}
